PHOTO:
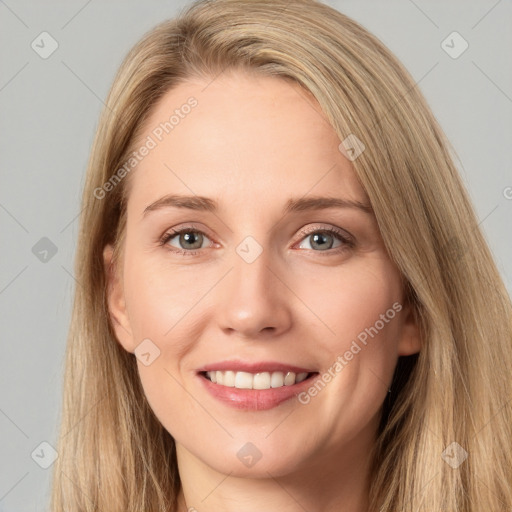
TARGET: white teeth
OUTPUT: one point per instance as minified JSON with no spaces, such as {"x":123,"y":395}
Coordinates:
{"x":262,"y":380}
{"x":229,"y":379}
{"x":289,"y":379}
{"x":277,"y":380}
{"x":243,"y":380}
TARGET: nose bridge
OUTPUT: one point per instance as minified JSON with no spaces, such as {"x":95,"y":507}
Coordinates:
{"x":253,"y":298}
{"x":251,"y":272}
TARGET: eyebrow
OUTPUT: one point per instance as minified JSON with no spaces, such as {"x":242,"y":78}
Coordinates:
{"x":293,"y":204}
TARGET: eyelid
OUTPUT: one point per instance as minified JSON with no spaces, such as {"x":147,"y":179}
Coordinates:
{"x":343,"y":234}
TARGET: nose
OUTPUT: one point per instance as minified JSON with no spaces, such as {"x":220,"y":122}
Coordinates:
{"x":255,"y":302}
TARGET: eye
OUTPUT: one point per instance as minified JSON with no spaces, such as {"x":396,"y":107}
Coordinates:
{"x":323,"y":240}
{"x":185,"y":241}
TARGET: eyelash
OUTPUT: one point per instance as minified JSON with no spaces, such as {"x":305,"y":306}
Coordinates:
{"x":347,"y":240}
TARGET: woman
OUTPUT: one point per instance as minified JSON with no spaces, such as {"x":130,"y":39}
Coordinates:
{"x":337,"y":337}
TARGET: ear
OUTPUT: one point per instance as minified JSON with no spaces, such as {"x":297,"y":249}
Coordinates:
{"x":116,"y":302}
{"x":410,"y":337}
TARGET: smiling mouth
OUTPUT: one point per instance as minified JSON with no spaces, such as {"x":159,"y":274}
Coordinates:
{"x":259,"y":381}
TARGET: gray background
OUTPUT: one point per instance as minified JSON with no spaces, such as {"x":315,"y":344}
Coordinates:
{"x":48,"y":113}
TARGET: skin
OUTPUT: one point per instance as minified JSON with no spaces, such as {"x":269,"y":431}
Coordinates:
{"x":251,"y":144}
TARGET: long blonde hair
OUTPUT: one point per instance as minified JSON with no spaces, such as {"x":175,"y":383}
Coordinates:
{"x":115,"y":455}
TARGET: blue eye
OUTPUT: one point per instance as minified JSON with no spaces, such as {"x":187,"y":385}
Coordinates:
{"x":189,"y":240}
{"x":324,"y":239}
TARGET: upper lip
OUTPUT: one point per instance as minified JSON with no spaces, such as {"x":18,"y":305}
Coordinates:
{"x":254,"y":367}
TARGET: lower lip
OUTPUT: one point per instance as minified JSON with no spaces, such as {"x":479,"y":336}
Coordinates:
{"x":255,"y":399}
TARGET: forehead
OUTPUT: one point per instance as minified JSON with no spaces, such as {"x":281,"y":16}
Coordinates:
{"x":242,"y":137}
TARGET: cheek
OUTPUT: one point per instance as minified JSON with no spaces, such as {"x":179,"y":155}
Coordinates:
{"x":164,"y":305}
{"x":351,"y":302}
{"x":161,"y":300}
{"x":360,"y":325}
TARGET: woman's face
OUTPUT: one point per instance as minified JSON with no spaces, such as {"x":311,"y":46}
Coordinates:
{"x":267,"y":284}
